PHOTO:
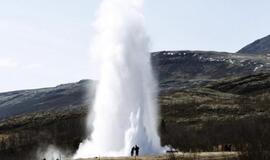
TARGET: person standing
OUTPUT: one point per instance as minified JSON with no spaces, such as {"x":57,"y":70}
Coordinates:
{"x":137,"y":150}
{"x":132,"y":151}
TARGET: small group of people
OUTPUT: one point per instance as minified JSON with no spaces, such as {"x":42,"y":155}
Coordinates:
{"x":136,"y":150}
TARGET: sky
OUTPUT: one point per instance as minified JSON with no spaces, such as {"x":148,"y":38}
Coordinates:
{"x":44,"y":43}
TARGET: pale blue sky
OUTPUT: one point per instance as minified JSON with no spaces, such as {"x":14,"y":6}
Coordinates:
{"x":45,"y":42}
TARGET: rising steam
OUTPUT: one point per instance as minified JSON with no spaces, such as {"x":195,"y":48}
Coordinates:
{"x":50,"y":153}
{"x":125,"y":109}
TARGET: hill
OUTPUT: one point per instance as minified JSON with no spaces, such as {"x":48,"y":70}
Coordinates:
{"x":193,"y":68}
{"x":66,"y":96}
{"x":174,"y":69}
{"x":248,"y":85}
{"x":260,"y":46}
{"x":202,"y":117}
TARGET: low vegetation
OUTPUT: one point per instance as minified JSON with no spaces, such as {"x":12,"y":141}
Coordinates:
{"x":203,"y":119}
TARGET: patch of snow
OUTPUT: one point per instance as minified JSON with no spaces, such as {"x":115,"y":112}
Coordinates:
{"x":212,"y":59}
{"x":231,"y":61}
{"x":258,"y":67}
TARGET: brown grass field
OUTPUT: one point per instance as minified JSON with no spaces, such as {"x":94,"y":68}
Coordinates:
{"x":178,"y":156}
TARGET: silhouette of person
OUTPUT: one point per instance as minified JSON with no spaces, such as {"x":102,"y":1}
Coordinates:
{"x":136,"y":150}
{"x":132,"y":151}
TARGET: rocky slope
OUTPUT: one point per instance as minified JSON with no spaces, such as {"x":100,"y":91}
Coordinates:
{"x":260,"y":46}
{"x":193,"y":68}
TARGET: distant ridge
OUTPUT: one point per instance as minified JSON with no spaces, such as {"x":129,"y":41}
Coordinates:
{"x":182,"y":69}
{"x":260,"y":46}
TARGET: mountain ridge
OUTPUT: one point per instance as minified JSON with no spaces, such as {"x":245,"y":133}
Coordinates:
{"x":260,"y":46}
{"x":174,"y":70}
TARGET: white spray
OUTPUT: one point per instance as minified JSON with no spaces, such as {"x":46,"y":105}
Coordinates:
{"x":50,"y":153}
{"x":125,"y":109}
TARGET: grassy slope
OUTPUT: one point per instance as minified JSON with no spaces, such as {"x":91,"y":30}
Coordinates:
{"x":191,"y":119}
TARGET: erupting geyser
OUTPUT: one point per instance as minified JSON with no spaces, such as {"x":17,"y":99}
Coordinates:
{"x":125,"y":109}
